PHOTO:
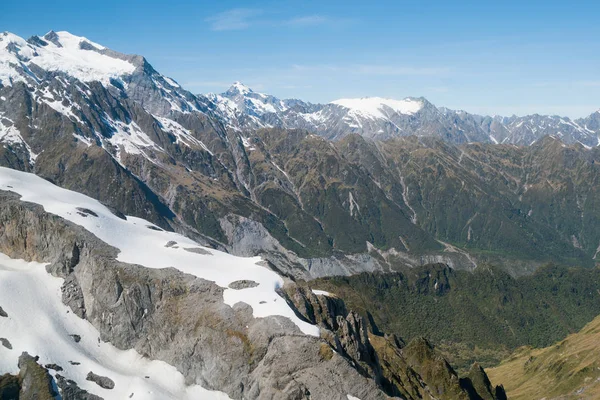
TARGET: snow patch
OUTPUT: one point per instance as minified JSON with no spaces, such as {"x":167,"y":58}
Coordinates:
{"x":70,"y":58}
{"x":377,"y":107}
{"x":181,"y":134}
{"x":353,"y":204}
{"x":171,"y":82}
{"x":83,"y":139}
{"x":40,"y":324}
{"x":11,"y":135}
{"x":130,"y":138}
{"x":321,"y":293}
{"x":247,"y":144}
{"x":140,"y":245}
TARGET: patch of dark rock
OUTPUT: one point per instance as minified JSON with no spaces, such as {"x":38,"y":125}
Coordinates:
{"x":54,"y":367}
{"x":86,"y":211}
{"x":262,"y":302}
{"x":102,"y":381}
{"x":147,"y":377}
{"x":9,"y":386}
{"x":154,"y":228}
{"x":198,"y":250}
{"x":70,"y":390}
{"x":3,"y":313}
{"x":5,"y":343}
{"x":74,"y":363}
{"x":243,"y":284}
{"x":76,"y":338}
{"x":170,"y":243}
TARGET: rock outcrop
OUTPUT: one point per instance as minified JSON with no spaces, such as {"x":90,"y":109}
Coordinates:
{"x":182,"y":320}
{"x":34,"y":380}
{"x":413,"y":371}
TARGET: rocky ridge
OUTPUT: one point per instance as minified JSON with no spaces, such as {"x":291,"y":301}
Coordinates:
{"x":140,"y":143}
{"x":378,"y":118}
{"x":171,"y":316}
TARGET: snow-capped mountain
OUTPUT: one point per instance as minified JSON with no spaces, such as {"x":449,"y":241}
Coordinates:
{"x":109,"y":125}
{"x":76,"y":83}
{"x":380,"y":118}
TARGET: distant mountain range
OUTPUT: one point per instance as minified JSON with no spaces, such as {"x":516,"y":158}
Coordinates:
{"x":317,"y":189}
{"x":378,"y":118}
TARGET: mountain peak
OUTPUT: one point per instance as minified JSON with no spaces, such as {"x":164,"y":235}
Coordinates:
{"x":239,"y":87}
{"x":67,"y":39}
{"x":376,"y":106}
{"x":59,"y":52}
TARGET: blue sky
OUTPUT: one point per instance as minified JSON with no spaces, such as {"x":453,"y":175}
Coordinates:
{"x":500,"y":57}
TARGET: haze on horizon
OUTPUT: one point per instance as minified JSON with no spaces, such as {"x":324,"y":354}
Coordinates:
{"x":509,"y":58}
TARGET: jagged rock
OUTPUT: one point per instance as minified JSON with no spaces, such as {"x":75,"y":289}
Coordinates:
{"x":36,"y":382}
{"x":391,"y":364}
{"x":435,"y":372}
{"x":481,"y":383}
{"x":180,"y":319}
{"x":6,"y":343}
{"x":71,"y":391}
{"x":102,"y":381}
{"x":54,"y":367}
{"x":321,"y":310}
{"x":3,"y":313}
{"x":76,"y":338}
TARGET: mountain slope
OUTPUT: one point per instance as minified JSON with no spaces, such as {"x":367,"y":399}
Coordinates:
{"x":570,"y":369}
{"x":474,"y":316}
{"x":225,"y":323}
{"x":138,"y":142}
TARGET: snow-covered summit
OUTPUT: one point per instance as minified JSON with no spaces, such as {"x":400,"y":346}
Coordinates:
{"x":378,"y":107}
{"x":240,"y":98}
{"x":239,"y":88}
{"x":58,"y":52}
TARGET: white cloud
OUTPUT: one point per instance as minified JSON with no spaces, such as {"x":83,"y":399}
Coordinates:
{"x":234,"y":19}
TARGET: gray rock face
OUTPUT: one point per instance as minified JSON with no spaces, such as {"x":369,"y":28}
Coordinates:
{"x":5,"y":342}
{"x":69,"y":390}
{"x":182,"y":320}
{"x":102,"y":381}
{"x":243,"y":284}
{"x":177,"y":318}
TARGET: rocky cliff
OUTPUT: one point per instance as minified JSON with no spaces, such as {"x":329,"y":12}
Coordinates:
{"x":178,"y":318}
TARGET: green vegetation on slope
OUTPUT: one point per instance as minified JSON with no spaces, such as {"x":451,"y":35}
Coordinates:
{"x":474,"y":316}
{"x":569,"y":369}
